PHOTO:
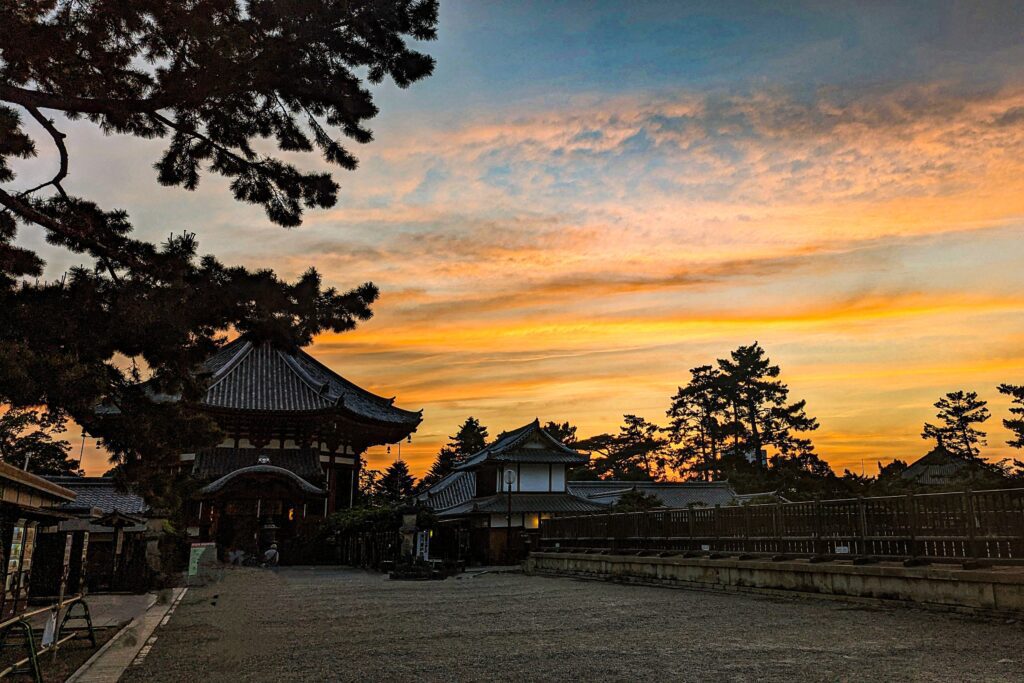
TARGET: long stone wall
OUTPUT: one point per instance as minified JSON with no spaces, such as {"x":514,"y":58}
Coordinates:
{"x":996,"y":590}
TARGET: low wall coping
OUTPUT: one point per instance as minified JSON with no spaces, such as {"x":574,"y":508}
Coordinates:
{"x":1001,"y":575}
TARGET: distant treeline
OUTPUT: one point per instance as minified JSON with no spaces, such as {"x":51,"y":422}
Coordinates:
{"x":735,"y":420}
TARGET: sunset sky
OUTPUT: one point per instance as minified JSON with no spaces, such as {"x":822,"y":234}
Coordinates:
{"x":586,"y":200}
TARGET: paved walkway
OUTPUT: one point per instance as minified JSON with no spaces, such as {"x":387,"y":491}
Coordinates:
{"x":321,"y":624}
{"x":110,"y":662}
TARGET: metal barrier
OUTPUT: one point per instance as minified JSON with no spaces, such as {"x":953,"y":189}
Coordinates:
{"x":985,"y":526}
{"x":20,"y":624}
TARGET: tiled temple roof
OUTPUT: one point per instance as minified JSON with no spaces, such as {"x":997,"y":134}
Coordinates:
{"x":258,"y":377}
{"x":523,"y":502}
{"x":529,"y":443}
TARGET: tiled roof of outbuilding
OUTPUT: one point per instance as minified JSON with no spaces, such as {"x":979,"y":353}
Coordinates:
{"x":671,"y":494}
{"x":529,"y":443}
{"x":940,"y":466}
{"x":100,"y":493}
{"x":454,"y":489}
{"x":523,"y":502}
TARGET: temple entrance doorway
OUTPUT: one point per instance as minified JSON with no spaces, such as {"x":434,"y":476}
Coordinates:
{"x":252,"y":510}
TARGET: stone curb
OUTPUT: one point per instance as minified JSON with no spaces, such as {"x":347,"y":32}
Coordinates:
{"x":94,"y":671}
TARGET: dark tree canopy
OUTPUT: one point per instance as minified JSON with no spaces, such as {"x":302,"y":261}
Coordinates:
{"x":1016,"y":423}
{"x":471,"y":437}
{"x":638,"y":452}
{"x":958,"y":412}
{"x":739,"y":407}
{"x":231,"y":85}
{"x":563,"y":431}
{"x":27,"y":441}
{"x":698,"y":422}
{"x":395,"y":484}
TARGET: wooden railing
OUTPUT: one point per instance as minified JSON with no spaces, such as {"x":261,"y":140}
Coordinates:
{"x":368,"y":549}
{"x":980,"y":525}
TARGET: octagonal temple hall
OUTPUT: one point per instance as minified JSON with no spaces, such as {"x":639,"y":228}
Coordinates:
{"x":295,"y":431}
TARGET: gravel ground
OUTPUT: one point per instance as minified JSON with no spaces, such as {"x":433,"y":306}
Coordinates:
{"x":313,"y":624}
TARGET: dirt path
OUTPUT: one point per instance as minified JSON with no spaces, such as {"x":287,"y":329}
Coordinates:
{"x":346,"y":625}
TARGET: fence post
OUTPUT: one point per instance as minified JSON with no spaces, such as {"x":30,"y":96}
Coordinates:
{"x":777,"y":522}
{"x":862,"y":512}
{"x":689,"y":527}
{"x":915,"y":549}
{"x":746,"y":529}
{"x":819,"y":545}
{"x":971,"y":535}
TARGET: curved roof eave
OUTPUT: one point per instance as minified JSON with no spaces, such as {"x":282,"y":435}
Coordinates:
{"x":219,"y":484}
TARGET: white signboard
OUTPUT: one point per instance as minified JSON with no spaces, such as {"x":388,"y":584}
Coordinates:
{"x":50,"y":630}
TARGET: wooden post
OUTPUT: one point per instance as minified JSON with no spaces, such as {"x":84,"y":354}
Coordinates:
{"x":819,"y":545}
{"x":778,"y":524}
{"x":689,"y":526}
{"x":915,"y":549}
{"x":971,"y":534}
{"x":862,"y":513}
{"x":746,"y":529}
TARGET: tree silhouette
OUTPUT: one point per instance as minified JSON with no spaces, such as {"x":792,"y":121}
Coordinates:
{"x":471,"y":437}
{"x":697,"y":413}
{"x":562,"y":431}
{"x":738,"y":407}
{"x":638,"y":452}
{"x":958,"y":412}
{"x":27,"y":441}
{"x":761,"y":415}
{"x":1016,"y":423}
{"x":233,"y":86}
{"x":396,"y":484}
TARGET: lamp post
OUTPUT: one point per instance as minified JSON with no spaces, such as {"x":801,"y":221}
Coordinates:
{"x":510,"y":478}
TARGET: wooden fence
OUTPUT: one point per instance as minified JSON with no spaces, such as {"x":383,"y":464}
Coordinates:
{"x":368,"y":549}
{"x":980,"y":525}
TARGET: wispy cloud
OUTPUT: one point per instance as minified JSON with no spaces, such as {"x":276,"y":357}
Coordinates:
{"x":574,"y":261}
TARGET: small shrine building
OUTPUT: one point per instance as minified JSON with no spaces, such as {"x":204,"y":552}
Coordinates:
{"x":497,"y":497}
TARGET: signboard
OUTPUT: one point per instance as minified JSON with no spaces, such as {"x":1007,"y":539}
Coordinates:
{"x":50,"y":630}
{"x":705,"y":546}
{"x":842,"y":549}
{"x":195,"y":556}
{"x":423,"y":545}
{"x":85,"y":562}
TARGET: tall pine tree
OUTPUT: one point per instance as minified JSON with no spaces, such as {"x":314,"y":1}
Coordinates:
{"x":761,"y":416}
{"x":395,"y":484}
{"x":638,"y":452}
{"x":471,"y":437}
{"x":1016,"y":423}
{"x":958,"y":412}
{"x":242,"y":90}
{"x":562,"y":431}
{"x":698,"y":414}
